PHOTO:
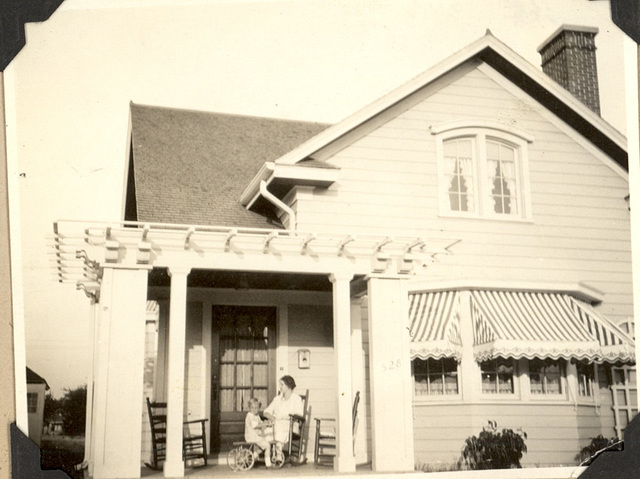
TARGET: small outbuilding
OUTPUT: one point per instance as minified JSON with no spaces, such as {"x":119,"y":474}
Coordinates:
{"x":36,"y":389}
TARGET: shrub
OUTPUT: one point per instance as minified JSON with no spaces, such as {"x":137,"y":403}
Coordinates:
{"x":493,"y":449}
{"x":597,"y":444}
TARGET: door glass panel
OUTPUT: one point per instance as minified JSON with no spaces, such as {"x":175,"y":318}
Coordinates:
{"x":260,"y":352}
{"x":227,"y":350}
{"x":260,"y":376}
{"x":244,"y":357}
{"x":244,"y":349}
{"x":226,"y":376}
{"x":226,"y":400}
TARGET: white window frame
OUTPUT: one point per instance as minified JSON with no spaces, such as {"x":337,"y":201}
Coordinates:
{"x":563,"y":383}
{"x":436,"y":397}
{"x":478,"y":131}
{"x":514,"y":395}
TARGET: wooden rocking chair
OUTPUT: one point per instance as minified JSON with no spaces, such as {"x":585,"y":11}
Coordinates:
{"x":326,"y":436}
{"x":296,"y":448}
{"x":194,"y":445}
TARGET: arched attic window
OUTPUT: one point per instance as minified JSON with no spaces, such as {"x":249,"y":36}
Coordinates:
{"x":483,"y":170}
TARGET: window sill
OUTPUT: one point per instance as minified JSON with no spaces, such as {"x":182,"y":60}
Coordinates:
{"x":497,"y":219}
{"x":437,"y":399}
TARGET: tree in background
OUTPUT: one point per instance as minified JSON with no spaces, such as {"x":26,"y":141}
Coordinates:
{"x":73,"y":406}
{"x":51,"y":407}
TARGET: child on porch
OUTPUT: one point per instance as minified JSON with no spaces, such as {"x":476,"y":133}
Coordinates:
{"x":258,"y":431}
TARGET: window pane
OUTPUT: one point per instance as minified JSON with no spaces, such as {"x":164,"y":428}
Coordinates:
{"x":459,"y":173}
{"x":586,"y":379}
{"x":545,"y":376}
{"x":497,"y":376}
{"x":435,"y":376}
{"x":436,"y":385}
{"x":618,"y":376}
{"x":32,"y":403}
{"x":502,"y":177}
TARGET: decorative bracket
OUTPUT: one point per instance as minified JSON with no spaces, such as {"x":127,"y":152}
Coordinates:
{"x":345,"y":242}
{"x":227,"y":241}
{"x":306,"y":241}
{"x":267,"y":241}
{"x":188,"y":236}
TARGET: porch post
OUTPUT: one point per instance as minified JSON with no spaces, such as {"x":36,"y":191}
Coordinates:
{"x":117,"y":396}
{"x":345,"y":460}
{"x":88,"y":429}
{"x":390,"y":375}
{"x":174,"y":465}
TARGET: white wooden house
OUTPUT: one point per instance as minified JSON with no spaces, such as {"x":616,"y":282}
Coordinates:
{"x":463,"y":244}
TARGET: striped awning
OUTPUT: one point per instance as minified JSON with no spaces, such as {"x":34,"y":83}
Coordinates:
{"x":545,"y":325}
{"x":435,"y":325}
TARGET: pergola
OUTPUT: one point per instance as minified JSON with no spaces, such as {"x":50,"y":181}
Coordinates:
{"x":110,"y":262}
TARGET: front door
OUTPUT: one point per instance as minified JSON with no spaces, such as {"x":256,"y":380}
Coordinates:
{"x":243,"y":366}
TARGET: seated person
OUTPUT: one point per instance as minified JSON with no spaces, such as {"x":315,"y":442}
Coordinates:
{"x":281,"y":407}
{"x":258,"y":431}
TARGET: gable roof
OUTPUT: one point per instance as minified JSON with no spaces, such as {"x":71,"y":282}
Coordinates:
{"x":34,"y":378}
{"x":189,"y":167}
{"x":520,"y":72}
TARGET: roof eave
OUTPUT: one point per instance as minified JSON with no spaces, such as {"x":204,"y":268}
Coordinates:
{"x":288,"y":175}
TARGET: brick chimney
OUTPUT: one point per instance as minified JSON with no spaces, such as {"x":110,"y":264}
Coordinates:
{"x":569,"y":57}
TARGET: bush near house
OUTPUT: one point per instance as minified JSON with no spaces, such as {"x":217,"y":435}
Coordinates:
{"x":493,"y":449}
{"x":597,"y":444}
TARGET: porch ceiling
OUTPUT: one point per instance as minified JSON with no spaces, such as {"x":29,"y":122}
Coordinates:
{"x":202,"y":278}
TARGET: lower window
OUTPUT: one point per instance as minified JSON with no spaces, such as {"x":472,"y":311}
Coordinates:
{"x":497,"y":376}
{"x":545,"y":376}
{"x":433,"y":377}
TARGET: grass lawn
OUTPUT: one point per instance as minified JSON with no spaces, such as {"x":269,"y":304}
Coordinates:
{"x":63,"y":452}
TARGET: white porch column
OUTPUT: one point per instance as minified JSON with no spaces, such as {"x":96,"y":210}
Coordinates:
{"x":174,"y":465}
{"x":88,"y":429}
{"x":390,"y":375}
{"x":345,"y":460}
{"x":117,"y":396}
{"x":359,"y":382}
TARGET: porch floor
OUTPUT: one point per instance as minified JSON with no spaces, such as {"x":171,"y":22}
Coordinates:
{"x":217,"y":467}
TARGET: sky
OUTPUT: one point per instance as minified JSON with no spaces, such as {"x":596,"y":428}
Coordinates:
{"x":68,"y":94}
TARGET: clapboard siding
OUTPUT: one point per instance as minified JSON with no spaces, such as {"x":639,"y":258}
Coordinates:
{"x":311,"y":327}
{"x":555,"y":433}
{"x":579,"y":227}
{"x":578,"y":230}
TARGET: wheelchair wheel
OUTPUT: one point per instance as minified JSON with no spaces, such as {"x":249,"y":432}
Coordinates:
{"x":244,"y":459}
{"x":232,"y":459}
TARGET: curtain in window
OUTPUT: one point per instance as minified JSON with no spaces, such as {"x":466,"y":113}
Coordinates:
{"x":458,"y":156}
{"x":501,"y":165}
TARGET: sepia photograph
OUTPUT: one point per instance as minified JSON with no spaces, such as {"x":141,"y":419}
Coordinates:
{"x":309,"y":238}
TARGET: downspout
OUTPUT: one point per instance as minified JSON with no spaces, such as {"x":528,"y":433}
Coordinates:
{"x":278,"y":203}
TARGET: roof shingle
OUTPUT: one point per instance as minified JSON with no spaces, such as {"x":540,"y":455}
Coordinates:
{"x":190,"y":167}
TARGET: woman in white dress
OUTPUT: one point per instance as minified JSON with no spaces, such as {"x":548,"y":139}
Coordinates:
{"x":284,"y":404}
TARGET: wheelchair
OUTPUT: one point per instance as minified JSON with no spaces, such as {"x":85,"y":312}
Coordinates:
{"x":244,"y":455}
